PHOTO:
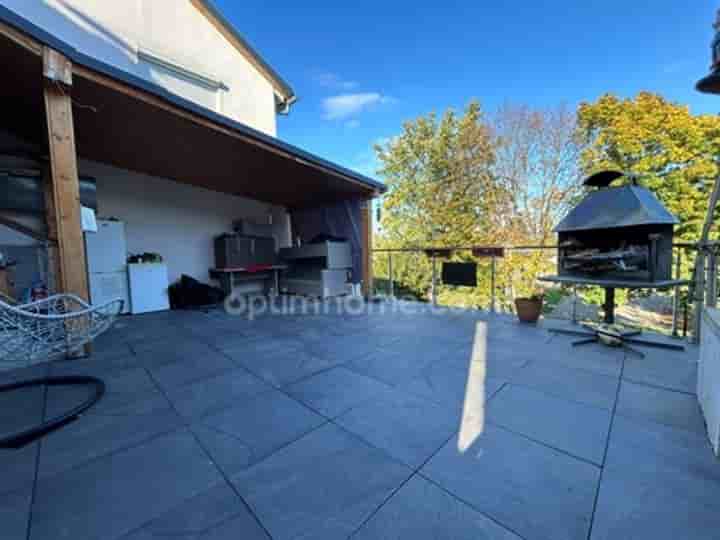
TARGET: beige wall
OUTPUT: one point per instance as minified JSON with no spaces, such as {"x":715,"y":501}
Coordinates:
{"x":134,"y":35}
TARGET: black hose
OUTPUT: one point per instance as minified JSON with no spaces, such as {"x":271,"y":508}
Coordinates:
{"x":23,"y":438}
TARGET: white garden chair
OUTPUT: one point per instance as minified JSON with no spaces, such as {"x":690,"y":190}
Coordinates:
{"x":42,"y":331}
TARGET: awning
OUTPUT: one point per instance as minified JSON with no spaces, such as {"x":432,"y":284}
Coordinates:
{"x":128,"y":122}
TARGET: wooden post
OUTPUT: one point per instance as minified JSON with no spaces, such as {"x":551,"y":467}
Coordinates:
{"x":366,"y":235}
{"x":62,"y":183}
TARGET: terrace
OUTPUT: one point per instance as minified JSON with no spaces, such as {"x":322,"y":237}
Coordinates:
{"x":396,"y":424}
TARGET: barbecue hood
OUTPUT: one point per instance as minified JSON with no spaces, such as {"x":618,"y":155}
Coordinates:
{"x":615,"y":234}
{"x":615,"y":207}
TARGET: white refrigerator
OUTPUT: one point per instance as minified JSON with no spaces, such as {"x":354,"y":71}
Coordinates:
{"x":106,"y":252}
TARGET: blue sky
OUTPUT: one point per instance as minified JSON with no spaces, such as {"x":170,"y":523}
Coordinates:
{"x":361,"y":70}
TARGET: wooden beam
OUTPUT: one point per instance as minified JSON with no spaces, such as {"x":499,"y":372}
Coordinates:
{"x":366,"y":237}
{"x":20,"y":38}
{"x":63,"y":206}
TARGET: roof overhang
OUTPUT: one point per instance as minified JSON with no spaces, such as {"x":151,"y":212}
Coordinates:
{"x":131,"y":123}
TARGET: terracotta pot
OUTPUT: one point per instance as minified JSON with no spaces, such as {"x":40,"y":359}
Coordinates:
{"x":529,"y":309}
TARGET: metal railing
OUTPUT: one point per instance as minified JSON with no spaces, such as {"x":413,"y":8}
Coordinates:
{"x":681,"y":306}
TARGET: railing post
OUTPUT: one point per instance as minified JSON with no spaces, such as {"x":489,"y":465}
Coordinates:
{"x":699,"y":293}
{"x":390,"y":275}
{"x":676,"y":297}
{"x":574,"y":306}
{"x":433,"y":290}
{"x":711,"y":299}
{"x":492,"y":284}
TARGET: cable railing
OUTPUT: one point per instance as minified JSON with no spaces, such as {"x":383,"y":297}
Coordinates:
{"x":509,"y":272}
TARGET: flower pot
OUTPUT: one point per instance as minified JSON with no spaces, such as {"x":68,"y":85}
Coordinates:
{"x":529,"y":309}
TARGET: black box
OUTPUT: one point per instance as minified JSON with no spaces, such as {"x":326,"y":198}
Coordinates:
{"x":238,"y":251}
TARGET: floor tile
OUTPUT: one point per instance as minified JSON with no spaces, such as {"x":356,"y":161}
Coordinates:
{"x":661,"y":406}
{"x":573,"y":384}
{"x":497,"y":360}
{"x":169,"y":345}
{"x":662,"y":504}
{"x":21,"y":409}
{"x":169,"y":352}
{"x":342,"y":349}
{"x":263,"y":424}
{"x":668,"y":369}
{"x":462,"y":388}
{"x":580,"y":430}
{"x":528,"y":488}
{"x":95,"y":435}
{"x":198,"y":399}
{"x":214,"y":514}
{"x":321,"y":487}
{"x":191,"y":370}
{"x":275,"y":344}
{"x":17,"y":468}
{"x":282,"y":368}
{"x":641,"y":444}
{"x":230,"y":454}
{"x":121,"y":389}
{"x":399,"y":363}
{"x":15,"y":514}
{"x":407,"y":427}
{"x":98,"y":365}
{"x":596,"y":358}
{"x":333,"y":392}
{"x":422,"y":511}
{"x":112,"y":496}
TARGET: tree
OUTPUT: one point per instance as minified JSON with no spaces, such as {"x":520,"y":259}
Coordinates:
{"x":441,"y":190}
{"x":468,"y":181}
{"x":537,"y":157}
{"x":438,"y":174}
{"x":673,"y":150}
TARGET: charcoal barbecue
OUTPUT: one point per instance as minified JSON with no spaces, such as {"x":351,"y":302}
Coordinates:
{"x":617,"y":237}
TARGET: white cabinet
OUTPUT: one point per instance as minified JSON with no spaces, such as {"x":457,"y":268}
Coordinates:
{"x":708,"y":389}
{"x":148,"y":287}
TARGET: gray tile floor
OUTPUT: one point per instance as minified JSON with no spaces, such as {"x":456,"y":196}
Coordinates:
{"x":456,"y":425}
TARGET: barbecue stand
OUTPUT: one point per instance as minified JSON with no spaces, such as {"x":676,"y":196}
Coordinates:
{"x":595,"y":334}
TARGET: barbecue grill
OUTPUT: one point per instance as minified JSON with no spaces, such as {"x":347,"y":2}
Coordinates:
{"x":617,"y":233}
{"x":616,"y":237}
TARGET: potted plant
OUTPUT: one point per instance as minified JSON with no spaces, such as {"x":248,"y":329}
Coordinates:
{"x":529,"y":308}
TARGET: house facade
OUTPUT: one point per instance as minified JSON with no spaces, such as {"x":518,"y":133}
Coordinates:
{"x":174,"y":120}
{"x":184,"y":46}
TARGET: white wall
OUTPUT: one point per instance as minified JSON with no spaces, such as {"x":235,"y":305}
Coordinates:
{"x":115,"y":31}
{"x":176,"y":220}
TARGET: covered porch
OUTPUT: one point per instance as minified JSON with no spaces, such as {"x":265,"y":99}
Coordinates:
{"x":178,"y":173}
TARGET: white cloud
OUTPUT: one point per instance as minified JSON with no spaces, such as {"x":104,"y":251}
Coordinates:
{"x":333,"y":80}
{"x":347,"y":105}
